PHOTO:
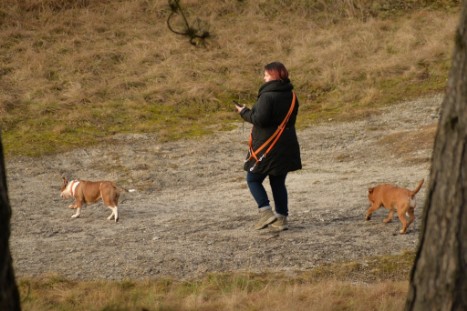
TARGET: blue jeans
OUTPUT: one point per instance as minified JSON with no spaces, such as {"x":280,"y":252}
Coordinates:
{"x":279,"y":191}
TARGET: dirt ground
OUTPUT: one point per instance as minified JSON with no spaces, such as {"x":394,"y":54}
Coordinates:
{"x":192,"y":213}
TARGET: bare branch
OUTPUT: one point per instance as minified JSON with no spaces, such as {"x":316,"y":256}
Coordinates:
{"x":196,"y":35}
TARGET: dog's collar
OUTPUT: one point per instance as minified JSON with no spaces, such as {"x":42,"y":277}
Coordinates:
{"x":73,"y":185}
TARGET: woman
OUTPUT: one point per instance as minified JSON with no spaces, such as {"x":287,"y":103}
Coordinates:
{"x":274,"y":149}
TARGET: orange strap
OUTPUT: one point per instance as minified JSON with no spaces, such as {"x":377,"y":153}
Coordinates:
{"x":271,"y":140}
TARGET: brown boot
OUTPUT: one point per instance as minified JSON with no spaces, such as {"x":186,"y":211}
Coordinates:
{"x":266,"y":218}
{"x":280,"y":224}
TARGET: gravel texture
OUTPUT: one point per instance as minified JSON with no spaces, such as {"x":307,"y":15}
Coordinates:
{"x":192,"y":213}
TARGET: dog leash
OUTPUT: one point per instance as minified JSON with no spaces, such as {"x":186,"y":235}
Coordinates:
{"x":271,"y":140}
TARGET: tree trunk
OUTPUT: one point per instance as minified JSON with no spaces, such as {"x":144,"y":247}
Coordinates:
{"x":9,"y":296}
{"x":438,"y":280}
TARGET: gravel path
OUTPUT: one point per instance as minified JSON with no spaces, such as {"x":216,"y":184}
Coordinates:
{"x":193,"y":214}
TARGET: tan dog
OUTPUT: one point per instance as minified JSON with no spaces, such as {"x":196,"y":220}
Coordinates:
{"x":88,"y":192}
{"x":394,"y":198}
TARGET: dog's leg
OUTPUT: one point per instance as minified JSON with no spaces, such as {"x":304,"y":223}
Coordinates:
{"x":390,"y":216}
{"x":401,"y":213}
{"x":111,"y":214}
{"x":411,"y":213}
{"x":370,"y":211}
{"x":114,"y":213}
{"x":77,"y":204}
{"x":110,"y":198}
{"x":78,"y":212}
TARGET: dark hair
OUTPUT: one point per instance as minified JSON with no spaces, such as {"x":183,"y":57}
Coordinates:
{"x":277,"y":71}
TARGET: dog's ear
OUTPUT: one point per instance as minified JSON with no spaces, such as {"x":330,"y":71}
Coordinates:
{"x":370,"y":190}
{"x":65,"y":181}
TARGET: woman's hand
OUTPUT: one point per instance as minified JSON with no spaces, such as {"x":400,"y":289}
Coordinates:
{"x":239,"y":107}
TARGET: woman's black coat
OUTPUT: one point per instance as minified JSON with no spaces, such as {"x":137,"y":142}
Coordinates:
{"x":270,"y":109}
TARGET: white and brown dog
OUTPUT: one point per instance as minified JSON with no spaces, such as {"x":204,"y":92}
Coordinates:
{"x":88,"y":192}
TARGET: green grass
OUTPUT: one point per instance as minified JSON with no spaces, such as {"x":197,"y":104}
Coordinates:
{"x":49,"y":134}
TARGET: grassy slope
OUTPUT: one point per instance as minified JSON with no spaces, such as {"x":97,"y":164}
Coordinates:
{"x":74,"y":72}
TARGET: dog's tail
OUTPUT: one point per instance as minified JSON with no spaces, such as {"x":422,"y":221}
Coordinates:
{"x":419,"y":186}
{"x":126,"y":190}
{"x":121,"y":189}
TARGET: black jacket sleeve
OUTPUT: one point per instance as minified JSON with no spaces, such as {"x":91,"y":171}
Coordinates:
{"x":261,"y":113}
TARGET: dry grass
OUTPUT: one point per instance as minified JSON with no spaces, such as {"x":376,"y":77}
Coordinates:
{"x":405,"y":144}
{"x":74,"y":72}
{"x":378,"y":283}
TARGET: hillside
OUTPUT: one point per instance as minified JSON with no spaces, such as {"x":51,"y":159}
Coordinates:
{"x":75,"y":72}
